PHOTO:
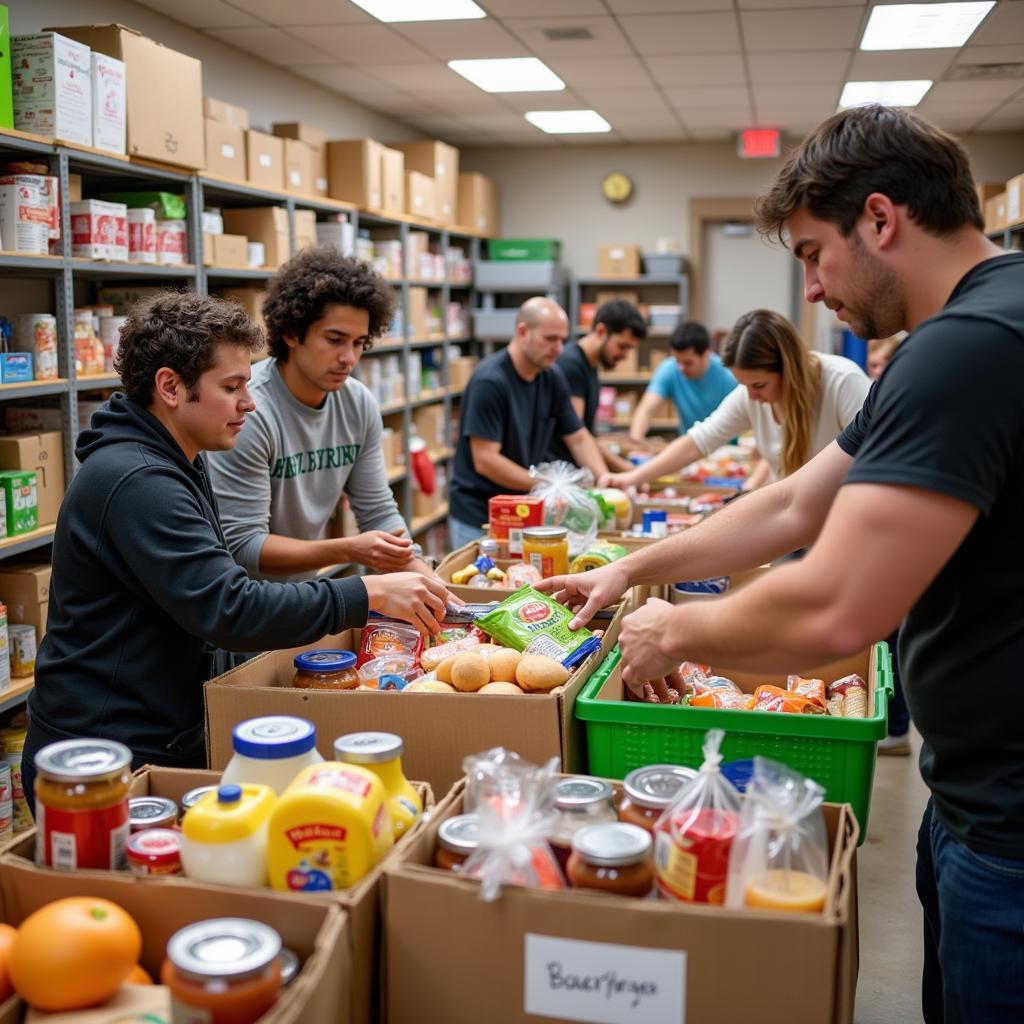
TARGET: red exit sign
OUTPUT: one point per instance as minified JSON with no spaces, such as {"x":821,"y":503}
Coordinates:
{"x":755,"y":143}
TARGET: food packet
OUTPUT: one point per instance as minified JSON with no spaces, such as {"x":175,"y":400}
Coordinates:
{"x":372,"y":672}
{"x":779,"y":860}
{"x":813,"y":689}
{"x":774,"y":698}
{"x":853,"y":692}
{"x":388,"y":636}
{"x":707,"y":683}
{"x":566,"y":502}
{"x":522,"y":573}
{"x":693,"y":675}
{"x":515,"y":803}
{"x":534,"y":623}
{"x":716,"y":585}
{"x":727,"y":700}
{"x":433,"y":656}
{"x":693,"y":836}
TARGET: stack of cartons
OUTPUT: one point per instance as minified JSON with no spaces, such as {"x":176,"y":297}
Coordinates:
{"x":266,"y":224}
{"x":224,"y":127}
{"x":440,"y":162}
{"x":305,"y":157}
{"x":477,"y":207}
{"x":52,"y":82}
{"x":364,"y":172}
{"x":264,"y":157}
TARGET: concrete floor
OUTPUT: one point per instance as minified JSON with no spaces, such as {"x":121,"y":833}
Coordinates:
{"x":888,"y":990}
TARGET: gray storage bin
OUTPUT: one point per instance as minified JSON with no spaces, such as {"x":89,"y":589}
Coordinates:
{"x":663,"y":264}
{"x":494,"y":323}
{"x":540,"y":277}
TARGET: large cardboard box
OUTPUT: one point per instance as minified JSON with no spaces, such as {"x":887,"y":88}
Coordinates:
{"x":392,"y":180}
{"x":618,"y":261}
{"x":507,"y":961}
{"x":355,"y":170}
{"x":996,"y":212}
{"x":225,"y":113}
{"x":25,"y":589}
{"x":264,"y":159}
{"x":1015,"y":200}
{"x":42,"y":454}
{"x":266,"y":224}
{"x":307,"y":133}
{"x":459,"y":372}
{"x":109,"y":96}
{"x":225,"y":150}
{"x":439,"y":161}
{"x":477,"y":204}
{"x":52,"y":82}
{"x":430,"y":423}
{"x":250,"y":297}
{"x":298,"y":166}
{"x":165,"y":93}
{"x":230,"y":250}
{"x":305,"y":229}
{"x":420,"y":195}
{"x":417,"y":315}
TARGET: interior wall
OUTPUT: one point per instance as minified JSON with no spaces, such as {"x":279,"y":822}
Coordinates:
{"x":269,"y":92}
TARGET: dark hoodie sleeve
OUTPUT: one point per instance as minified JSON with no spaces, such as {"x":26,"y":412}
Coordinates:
{"x":158,"y":527}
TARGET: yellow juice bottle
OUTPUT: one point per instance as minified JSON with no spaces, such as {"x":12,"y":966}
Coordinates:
{"x":381,"y":753}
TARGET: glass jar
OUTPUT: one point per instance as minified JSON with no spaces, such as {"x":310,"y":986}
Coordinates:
{"x":646,"y":792}
{"x":546,"y":548}
{"x":151,"y":812}
{"x":192,"y":797}
{"x":613,"y":858}
{"x":223,"y":971}
{"x":456,"y":841}
{"x":381,"y":753}
{"x":82,"y":804}
{"x":326,"y":670}
{"x":155,"y":851}
{"x":580,"y":801}
{"x":271,"y":751}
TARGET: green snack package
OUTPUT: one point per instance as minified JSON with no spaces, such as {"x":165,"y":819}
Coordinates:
{"x":167,"y":205}
{"x":534,"y":623}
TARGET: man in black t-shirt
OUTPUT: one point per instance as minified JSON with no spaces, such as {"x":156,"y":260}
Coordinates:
{"x":915,"y":514}
{"x":617,"y":330}
{"x":515,"y":404}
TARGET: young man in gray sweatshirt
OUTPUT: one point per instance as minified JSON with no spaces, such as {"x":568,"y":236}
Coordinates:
{"x":316,"y":432}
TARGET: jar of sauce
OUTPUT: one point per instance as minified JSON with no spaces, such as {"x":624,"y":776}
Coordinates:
{"x":271,"y":751}
{"x":192,"y":797}
{"x":381,"y":753}
{"x":613,"y":858}
{"x":646,"y":792}
{"x":155,"y":851}
{"x":325,"y":670}
{"x":82,"y":804}
{"x":223,"y":971}
{"x":546,"y":548}
{"x":580,"y":801}
{"x":456,"y":841}
{"x":151,"y":812}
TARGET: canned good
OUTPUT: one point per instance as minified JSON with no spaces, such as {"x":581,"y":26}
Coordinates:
{"x":581,"y":801}
{"x":21,"y":642}
{"x":6,"y":803}
{"x":290,"y":965}
{"x":192,"y":797}
{"x":13,"y":741}
{"x":456,"y":841}
{"x":655,"y":522}
{"x":612,"y":858}
{"x":154,"y":851}
{"x":648,"y":791}
{"x":151,"y":812}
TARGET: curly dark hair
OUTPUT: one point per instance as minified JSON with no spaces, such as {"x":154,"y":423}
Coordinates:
{"x":314,"y":279}
{"x":180,"y":330}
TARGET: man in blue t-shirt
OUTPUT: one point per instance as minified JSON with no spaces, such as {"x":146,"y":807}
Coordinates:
{"x":694,"y":379}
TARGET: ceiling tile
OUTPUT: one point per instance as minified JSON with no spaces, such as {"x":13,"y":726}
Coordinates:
{"x":452,"y":40}
{"x":622,"y":121}
{"x":1002,"y":123}
{"x":606,"y":72}
{"x":361,"y":44}
{"x":712,"y":134}
{"x":638,"y":133}
{"x":765,"y":5}
{"x":796,"y":95}
{"x":204,"y":13}
{"x":707,"y":97}
{"x":302,"y":12}
{"x":454,"y":102}
{"x":587,"y":139}
{"x":832,"y":28}
{"x":698,"y":69}
{"x":1004,"y":26}
{"x":793,"y":68}
{"x":543,"y":8}
{"x":783,"y":115}
{"x":341,"y":78}
{"x":715,"y":32}
{"x":637,"y":101}
{"x":666,"y":6}
{"x":400,"y":104}
{"x":606,"y":39}
{"x":271,"y":44}
{"x":950,"y":108}
{"x":432,"y":75}
{"x":991,"y":54}
{"x":521,"y":102}
{"x":959,"y":92}
{"x":499,"y":123}
{"x":732,"y":119}
{"x":896,"y":65}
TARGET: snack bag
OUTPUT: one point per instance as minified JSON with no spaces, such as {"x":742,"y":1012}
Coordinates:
{"x":779,"y":860}
{"x":377,"y":670}
{"x":852,"y":694}
{"x":534,"y":623}
{"x":693,"y":675}
{"x":433,"y":656}
{"x":515,"y":803}
{"x":693,"y":836}
{"x":709,"y":683}
{"x":522,"y":574}
{"x":729,"y":700}
{"x":566,"y":502}
{"x":388,"y":636}
{"x":774,"y":698}
{"x":813,"y":689}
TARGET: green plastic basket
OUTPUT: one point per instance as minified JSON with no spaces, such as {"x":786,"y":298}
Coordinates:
{"x":512,"y":250}
{"x":838,"y":753}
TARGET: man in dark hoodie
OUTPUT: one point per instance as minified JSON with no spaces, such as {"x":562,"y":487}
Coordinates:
{"x":145,"y":596}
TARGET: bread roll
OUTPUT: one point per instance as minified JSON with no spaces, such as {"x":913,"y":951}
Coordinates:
{"x":469,"y":673}
{"x":503,"y":665}
{"x":508,"y":689}
{"x":429,"y":686}
{"x":537,"y":673}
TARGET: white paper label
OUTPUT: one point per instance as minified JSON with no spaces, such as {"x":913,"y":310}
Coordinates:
{"x":295,"y":177}
{"x":603,"y":983}
{"x":321,"y":183}
{"x":227,"y":151}
{"x":265,"y":160}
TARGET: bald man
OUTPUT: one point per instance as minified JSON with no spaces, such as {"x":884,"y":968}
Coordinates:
{"x":515,"y":405}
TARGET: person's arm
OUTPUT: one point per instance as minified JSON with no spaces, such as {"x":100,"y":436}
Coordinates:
{"x":758,"y":476}
{"x":579,"y":405}
{"x":642,"y":416}
{"x":489,"y":462}
{"x":614,"y":463}
{"x":674,"y":457}
{"x":585,"y":451}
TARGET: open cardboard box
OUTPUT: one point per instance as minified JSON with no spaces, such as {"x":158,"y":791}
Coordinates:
{"x":497,"y":960}
{"x":316,"y":930}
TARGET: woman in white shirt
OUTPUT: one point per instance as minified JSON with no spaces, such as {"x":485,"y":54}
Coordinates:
{"x":795,"y":401}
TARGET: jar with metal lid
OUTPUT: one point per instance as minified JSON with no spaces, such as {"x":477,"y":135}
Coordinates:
{"x":151,"y":812}
{"x":192,"y":797}
{"x":223,"y":971}
{"x":82,"y":804}
{"x":580,"y":801}
{"x":546,"y":548}
{"x":271,"y":751}
{"x":646,"y":792}
{"x":290,"y":966}
{"x":489,"y":547}
{"x":613,"y":858}
{"x":381,"y":753}
{"x":456,"y":841}
{"x":155,"y":851}
{"x":326,"y":670}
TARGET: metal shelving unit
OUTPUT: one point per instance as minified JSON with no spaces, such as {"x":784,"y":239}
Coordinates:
{"x":1007,"y":236}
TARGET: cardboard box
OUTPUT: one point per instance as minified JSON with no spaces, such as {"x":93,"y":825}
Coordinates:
{"x":99,"y":230}
{"x":430,"y":423}
{"x":74,"y":188}
{"x":6,"y":92}
{"x":499,"y":961}
{"x":996,"y":213}
{"x":618,"y":261}
{"x":318,"y":931}
{"x":321,"y":178}
{"x":21,"y":499}
{"x":417,"y":316}
{"x":387,"y":447}
{"x":42,"y":454}
{"x":109,"y":96}
{"x":305,"y":229}
{"x":1015,"y":200}
{"x":266,"y":224}
{"x":298,"y":166}
{"x":251,"y":299}
{"x":301,"y":130}
{"x":509,"y":514}
{"x":225,"y":113}
{"x":15,"y":367}
{"x":986,"y":190}
{"x":225,"y":150}
{"x":355,"y":169}
{"x":439,"y":161}
{"x":25,"y":589}
{"x":230,"y":250}
{"x":420,"y":195}
{"x":393,"y":180}
{"x":425,"y":504}
{"x":52,"y":84}
{"x":165,"y":94}
{"x":459,"y":372}
{"x":264,"y":160}
{"x":477,"y":207}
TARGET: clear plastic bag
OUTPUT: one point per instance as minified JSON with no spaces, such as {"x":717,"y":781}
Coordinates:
{"x":566,"y":502}
{"x":694,"y":834}
{"x":515,"y":805}
{"x":779,"y":860}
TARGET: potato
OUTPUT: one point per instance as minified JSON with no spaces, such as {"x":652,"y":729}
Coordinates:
{"x":469,"y":673}
{"x":508,"y":689}
{"x":429,"y":686}
{"x":537,"y":673}
{"x":503,"y":665}
{"x":444,"y":670}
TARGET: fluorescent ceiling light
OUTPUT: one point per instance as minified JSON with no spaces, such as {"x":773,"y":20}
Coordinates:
{"x":893,"y":94}
{"x":923,"y":26}
{"x":421,"y":10}
{"x":568,"y":122}
{"x":509,"y":74}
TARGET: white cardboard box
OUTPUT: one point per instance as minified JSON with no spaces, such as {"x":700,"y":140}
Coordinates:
{"x":52,"y":81}
{"x":26,"y":213}
{"x":142,"y":235}
{"x":109,"y":103}
{"x":99,"y":230}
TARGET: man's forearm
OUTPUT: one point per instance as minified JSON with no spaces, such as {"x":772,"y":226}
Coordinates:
{"x":680,"y":453}
{"x":286,"y":556}
{"x":586,"y":453}
{"x":615,"y":463}
{"x":420,"y":566}
{"x":502,"y":470}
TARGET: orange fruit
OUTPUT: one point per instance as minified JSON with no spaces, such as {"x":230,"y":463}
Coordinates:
{"x":7,"y":934}
{"x":74,"y":953}
{"x":138,"y":976}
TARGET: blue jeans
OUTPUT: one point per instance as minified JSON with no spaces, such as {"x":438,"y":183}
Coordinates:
{"x":460,"y":533}
{"x":973,"y":930}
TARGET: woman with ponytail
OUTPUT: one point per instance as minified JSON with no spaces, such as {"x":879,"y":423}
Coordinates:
{"x":795,"y":401}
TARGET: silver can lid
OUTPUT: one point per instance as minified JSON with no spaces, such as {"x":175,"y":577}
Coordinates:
{"x":459,"y":834}
{"x":83,"y":760}
{"x":193,"y":796}
{"x":227,"y":947}
{"x":544,"y":532}
{"x":656,"y":785}
{"x":612,"y":845}
{"x":580,"y":791}
{"x":151,"y":812}
{"x":367,"y":747}
{"x":289,"y":965}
